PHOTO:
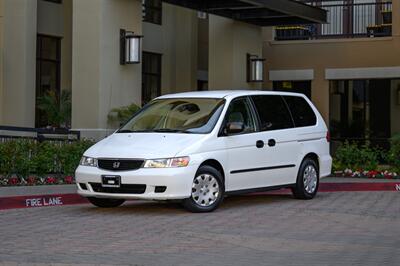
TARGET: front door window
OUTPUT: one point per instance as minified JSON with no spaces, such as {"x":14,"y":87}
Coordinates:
{"x":239,"y":111}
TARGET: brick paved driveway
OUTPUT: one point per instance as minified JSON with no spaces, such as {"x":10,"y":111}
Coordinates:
{"x":346,"y":228}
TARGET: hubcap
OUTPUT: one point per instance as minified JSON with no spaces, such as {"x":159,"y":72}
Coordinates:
{"x":310,"y":179}
{"x":205,"y":190}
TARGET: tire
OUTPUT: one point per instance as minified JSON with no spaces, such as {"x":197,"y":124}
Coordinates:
{"x":106,"y":203}
{"x":307,"y":180}
{"x":207,"y":190}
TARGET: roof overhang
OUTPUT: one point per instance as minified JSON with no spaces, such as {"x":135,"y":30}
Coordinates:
{"x":258,"y":12}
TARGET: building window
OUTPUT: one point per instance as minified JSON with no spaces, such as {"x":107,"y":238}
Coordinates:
{"x":152,"y":11}
{"x":294,"y":86}
{"x":151,"y":76}
{"x":363,"y":111}
{"x":48,"y":59}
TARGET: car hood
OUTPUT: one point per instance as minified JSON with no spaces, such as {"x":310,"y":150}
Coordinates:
{"x":142,"y":145}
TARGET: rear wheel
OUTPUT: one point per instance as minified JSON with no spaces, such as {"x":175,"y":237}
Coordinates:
{"x":207,"y":190}
{"x":106,"y":203}
{"x":307,"y":180}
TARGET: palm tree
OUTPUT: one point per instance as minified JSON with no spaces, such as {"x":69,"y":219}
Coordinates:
{"x":56,"y":107}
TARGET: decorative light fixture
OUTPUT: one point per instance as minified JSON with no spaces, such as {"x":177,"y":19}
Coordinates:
{"x":255,"y":68}
{"x":130,"y":47}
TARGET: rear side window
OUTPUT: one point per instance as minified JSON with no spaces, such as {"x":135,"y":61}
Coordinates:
{"x":302,"y":113}
{"x":273,"y":112}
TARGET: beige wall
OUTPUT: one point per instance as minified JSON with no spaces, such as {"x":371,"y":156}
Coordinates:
{"x":229,"y":42}
{"x":332,"y":53}
{"x":176,"y":40}
{"x":50,"y":18}
{"x":99,"y":82}
{"x":19,"y":62}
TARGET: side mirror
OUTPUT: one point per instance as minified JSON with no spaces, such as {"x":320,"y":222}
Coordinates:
{"x":234,"y":128}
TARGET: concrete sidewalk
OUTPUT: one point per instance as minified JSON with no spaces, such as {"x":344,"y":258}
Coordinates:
{"x":37,"y":190}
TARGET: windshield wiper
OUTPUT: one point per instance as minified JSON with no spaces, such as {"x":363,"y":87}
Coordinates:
{"x":170,"y":130}
{"x":134,"y":131}
{"x":125,"y":131}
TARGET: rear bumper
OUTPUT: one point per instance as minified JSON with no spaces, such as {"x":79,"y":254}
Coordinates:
{"x":178,"y":182}
{"x":325,"y":165}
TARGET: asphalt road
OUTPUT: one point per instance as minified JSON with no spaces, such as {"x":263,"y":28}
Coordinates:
{"x":341,"y":228}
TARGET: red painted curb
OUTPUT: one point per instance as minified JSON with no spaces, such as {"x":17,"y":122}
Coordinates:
{"x":35,"y":201}
{"x":344,"y":187}
{"x":384,"y":186}
{"x":18,"y":202}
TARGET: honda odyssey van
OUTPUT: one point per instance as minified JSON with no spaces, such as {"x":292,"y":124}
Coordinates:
{"x":198,"y":147}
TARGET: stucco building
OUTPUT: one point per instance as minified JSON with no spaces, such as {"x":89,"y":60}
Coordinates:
{"x":349,"y":67}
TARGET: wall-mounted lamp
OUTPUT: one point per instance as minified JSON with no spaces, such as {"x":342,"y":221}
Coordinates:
{"x":255,"y":68}
{"x":130,"y":47}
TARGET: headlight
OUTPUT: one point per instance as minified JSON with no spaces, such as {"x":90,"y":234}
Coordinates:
{"x":88,"y":161}
{"x":165,"y":163}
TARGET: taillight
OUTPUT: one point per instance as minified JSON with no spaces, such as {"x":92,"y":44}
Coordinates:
{"x":328,"y":136}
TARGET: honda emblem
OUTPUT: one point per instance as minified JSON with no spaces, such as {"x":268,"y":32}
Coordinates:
{"x":116,"y":165}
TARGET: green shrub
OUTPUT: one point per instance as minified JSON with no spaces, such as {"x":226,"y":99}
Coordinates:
{"x":352,"y":156}
{"x":56,"y":107}
{"x":70,"y":155}
{"x":24,"y":157}
{"x":394,"y":153}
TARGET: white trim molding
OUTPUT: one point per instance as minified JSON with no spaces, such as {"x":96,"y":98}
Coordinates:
{"x":296,"y":74}
{"x":362,"y":73}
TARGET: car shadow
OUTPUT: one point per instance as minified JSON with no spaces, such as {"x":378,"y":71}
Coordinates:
{"x":175,"y":207}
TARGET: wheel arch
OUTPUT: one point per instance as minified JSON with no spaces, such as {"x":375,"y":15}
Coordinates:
{"x":313,"y":156}
{"x":216,"y":164}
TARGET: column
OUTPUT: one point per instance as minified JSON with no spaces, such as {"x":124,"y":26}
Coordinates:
{"x":229,"y":43}
{"x":18,"y":29}
{"x":99,"y":82}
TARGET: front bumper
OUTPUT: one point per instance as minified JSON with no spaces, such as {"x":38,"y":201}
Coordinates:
{"x":178,"y":182}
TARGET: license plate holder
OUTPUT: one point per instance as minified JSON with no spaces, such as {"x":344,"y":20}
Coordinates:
{"x":110,"y":181}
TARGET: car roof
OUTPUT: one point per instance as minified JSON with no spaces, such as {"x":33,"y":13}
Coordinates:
{"x":219,"y":94}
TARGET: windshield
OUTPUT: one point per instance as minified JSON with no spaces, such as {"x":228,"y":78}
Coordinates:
{"x":185,"y":115}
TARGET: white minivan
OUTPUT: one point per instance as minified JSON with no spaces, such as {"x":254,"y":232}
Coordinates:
{"x":200,"y":146}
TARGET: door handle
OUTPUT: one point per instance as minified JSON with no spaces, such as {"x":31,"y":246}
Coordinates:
{"x":271,"y":142}
{"x":259,"y":144}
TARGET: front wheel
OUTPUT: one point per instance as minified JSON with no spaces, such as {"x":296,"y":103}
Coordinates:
{"x":207,"y":190}
{"x":307,"y":180}
{"x":106,"y":203}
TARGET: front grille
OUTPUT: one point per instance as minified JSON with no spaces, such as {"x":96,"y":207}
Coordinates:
{"x":119,"y":164}
{"x":123,"y":189}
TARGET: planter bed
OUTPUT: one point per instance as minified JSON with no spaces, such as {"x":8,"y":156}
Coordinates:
{"x":367,"y":174}
{"x":36,"y":180}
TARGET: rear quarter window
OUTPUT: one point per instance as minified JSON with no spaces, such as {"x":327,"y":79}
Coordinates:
{"x":273,"y":112}
{"x":302,"y":113}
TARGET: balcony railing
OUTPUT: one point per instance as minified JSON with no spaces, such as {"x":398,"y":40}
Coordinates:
{"x":346,"y":19}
